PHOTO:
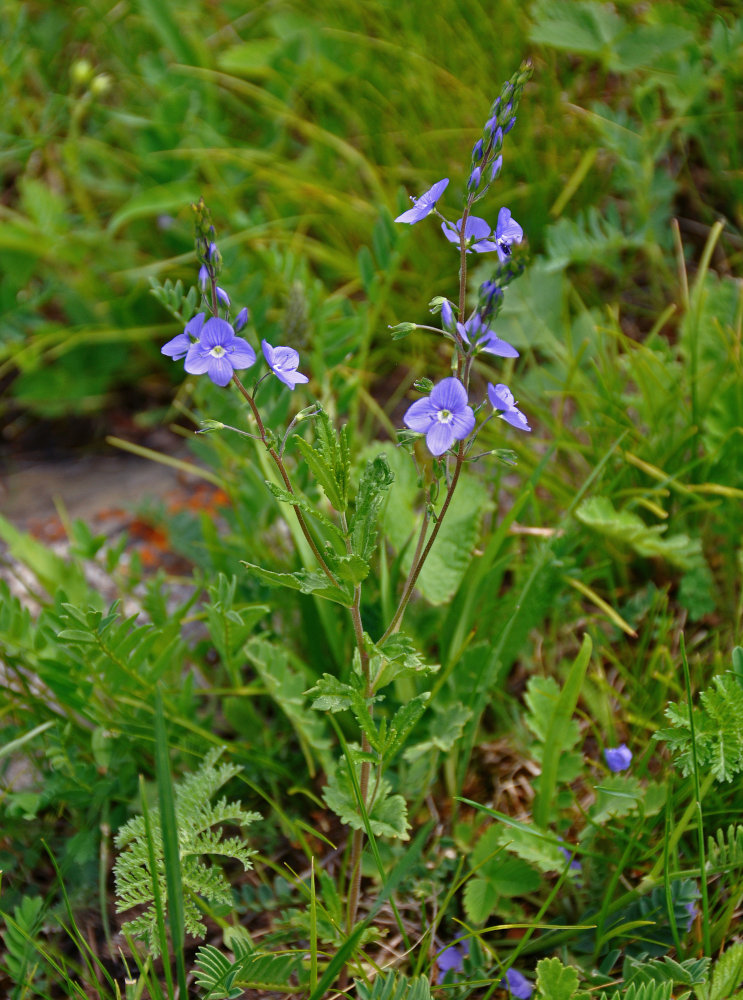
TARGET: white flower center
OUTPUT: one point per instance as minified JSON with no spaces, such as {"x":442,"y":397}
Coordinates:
{"x":444,"y":416}
{"x":218,"y":351}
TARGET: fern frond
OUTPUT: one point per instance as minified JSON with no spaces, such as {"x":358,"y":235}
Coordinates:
{"x":200,"y":835}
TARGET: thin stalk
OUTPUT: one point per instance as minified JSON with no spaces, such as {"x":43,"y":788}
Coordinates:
{"x":413,"y":576}
{"x":357,"y":842}
{"x":287,"y":482}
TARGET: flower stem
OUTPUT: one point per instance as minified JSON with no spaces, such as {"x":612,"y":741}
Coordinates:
{"x":416,"y":568}
{"x":287,"y":482}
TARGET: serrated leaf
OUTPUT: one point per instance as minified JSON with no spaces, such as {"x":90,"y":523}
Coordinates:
{"x":445,"y":729}
{"x":284,"y":496}
{"x":398,"y":657}
{"x":387,"y":814}
{"x":376,"y":480}
{"x":403,"y":721}
{"x":617,"y":795}
{"x":480,"y":899}
{"x":728,"y":973}
{"x":329,"y":460}
{"x":626,"y":528}
{"x":556,"y":981}
{"x":306,"y":581}
{"x":394,"y":985}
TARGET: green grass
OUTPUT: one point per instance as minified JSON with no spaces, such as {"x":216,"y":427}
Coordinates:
{"x":618,"y":531}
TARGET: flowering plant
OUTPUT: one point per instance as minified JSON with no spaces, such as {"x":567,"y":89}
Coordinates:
{"x":341,"y":530}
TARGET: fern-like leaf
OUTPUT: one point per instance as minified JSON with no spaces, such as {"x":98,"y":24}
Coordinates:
{"x":199,"y":836}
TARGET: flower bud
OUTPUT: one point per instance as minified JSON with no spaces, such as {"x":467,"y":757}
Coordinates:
{"x":509,"y":126}
{"x":474,"y":179}
{"x":447,"y":315}
{"x":496,"y":167}
{"x":222,"y":297}
{"x":424,"y":386}
{"x":498,"y":139}
{"x":241,"y":319}
{"x":477,"y":151}
{"x":203,"y":277}
{"x":401,"y":330}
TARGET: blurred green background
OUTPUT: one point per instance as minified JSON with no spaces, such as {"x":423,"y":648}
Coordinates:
{"x":305,"y":129}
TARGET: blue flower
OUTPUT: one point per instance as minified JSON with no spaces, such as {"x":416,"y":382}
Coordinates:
{"x":575,"y":865}
{"x":507,"y":231}
{"x":178,"y":347}
{"x":475,"y":331}
{"x":444,"y":416}
{"x":451,"y":959}
{"x":476,"y":233}
{"x":424,"y":205}
{"x":283,"y":363}
{"x":447,"y":315}
{"x":618,"y":758}
{"x":218,"y":352}
{"x":518,"y":985}
{"x":502,"y":399}
{"x":691,"y":909}
{"x":241,"y":319}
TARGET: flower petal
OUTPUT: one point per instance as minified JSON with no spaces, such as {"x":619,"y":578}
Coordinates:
{"x":240,"y":354}
{"x":197,"y":360}
{"x":220,"y":370}
{"x":217,"y":333}
{"x":449,"y":394}
{"x":475,"y":228}
{"x":177,"y":348}
{"x":463,"y":422}
{"x":420,"y":415}
{"x":439,"y":437}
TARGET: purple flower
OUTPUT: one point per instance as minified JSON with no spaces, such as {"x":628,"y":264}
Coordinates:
{"x":496,"y":167}
{"x":475,"y":331}
{"x":203,"y":277}
{"x":476,"y":232}
{"x":218,"y":352}
{"x":518,"y":985}
{"x":575,"y":865}
{"x":474,"y":178}
{"x":691,"y":909}
{"x":618,"y":758}
{"x":222,"y":297}
{"x":444,"y":416}
{"x":502,"y":399}
{"x":477,"y":151}
{"x":178,"y":347}
{"x":241,"y":319}
{"x":451,"y":959}
{"x":283,"y":363}
{"x":509,"y":125}
{"x":424,"y":205}
{"x":507,"y":231}
{"x":447,"y":315}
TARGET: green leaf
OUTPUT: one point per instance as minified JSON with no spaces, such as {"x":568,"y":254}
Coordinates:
{"x":616,"y":796}
{"x":286,"y":685}
{"x":306,"y":581}
{"x":394,"y":986}
{"x":728,"y":973}
{"x":445,"y":729}
{"x":576,"y":25}
{"x":625,"y":528}
{"x":556,"y":981}
{"x":398,"y":657}
{"x":375,"y":482}
{"x":480,"y":899}
{"x":387,"y":813}
{"x":451,"y":553}
{"x":333,"y":695}
{"x":329,"y":460}
{"x":403,"y":721}
{"x":52,"y":572}
{"x":307,"y":508}
{"x":558,"y":731}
